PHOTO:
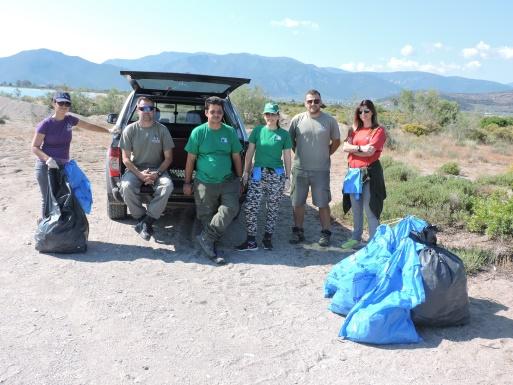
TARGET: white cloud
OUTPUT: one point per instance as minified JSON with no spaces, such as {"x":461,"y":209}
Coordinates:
{"x":438,"y":45}
{"x":361,"y":67}
{"x":481,"y":49}
{"x":506,"y":52}
{"x":407,"y":50}
{"x":294,"y":24}
{"x":474,"y":64}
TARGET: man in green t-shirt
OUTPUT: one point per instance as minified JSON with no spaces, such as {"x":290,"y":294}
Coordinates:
{"x":147,"y":150}
{"x":213,"y":150}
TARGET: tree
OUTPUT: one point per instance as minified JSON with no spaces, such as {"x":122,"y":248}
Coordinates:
{"x":250,"y":103}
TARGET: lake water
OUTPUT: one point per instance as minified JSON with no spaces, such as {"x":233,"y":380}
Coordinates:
{"x":37,"y":92}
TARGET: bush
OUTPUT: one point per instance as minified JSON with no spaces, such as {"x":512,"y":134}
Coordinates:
{"x":451,"y":168}
{"x":416,"y":129}
{"x":497,"y":120}
{"x":435,"y":198}
{"x":492,"y":215}
{"x":396,"y":171}
{"x":250,"y":103}
{"x":474,"y":259}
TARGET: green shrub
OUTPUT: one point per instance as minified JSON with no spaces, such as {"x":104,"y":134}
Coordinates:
{"x":451,"y":168}
{"x":434,"y":198}
{"x":395,"y":171}
{"x":416,"y":129}
{"x":474,"y":259}
{"x":505,"y":180}
{"x":250,"y":102}
{"x":492,"y":215}
{"x":497,"y":120}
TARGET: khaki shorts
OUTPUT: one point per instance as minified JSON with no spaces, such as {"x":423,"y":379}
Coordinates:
{"x":319,"y":181}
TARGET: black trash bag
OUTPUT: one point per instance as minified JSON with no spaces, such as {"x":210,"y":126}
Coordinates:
{"x":445,"y":285}
{"x":65,"y":228}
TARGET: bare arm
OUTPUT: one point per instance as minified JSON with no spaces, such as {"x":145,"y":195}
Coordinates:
{"x":363,"y":151}
{"x":287,"y":159}
{"x":168,"y":159}
{"x":189,"y":168}
{"x":37,"y":141}
{"x":91,"y":127}
{"x":237,"y":163}
{"x":126,"y":155}
{"x":248,"y":161}
{"x":335,"y":143}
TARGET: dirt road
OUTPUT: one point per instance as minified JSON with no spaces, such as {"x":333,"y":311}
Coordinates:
{"x":158,"y":312}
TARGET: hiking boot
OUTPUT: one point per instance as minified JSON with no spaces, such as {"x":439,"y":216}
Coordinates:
{"x":324,"y":241}
{"x":247,"y":246}
{"x":298,"y":235}
{"x":350,"y":244}
{"x":207,"y":246}
{"x":266,"y":241}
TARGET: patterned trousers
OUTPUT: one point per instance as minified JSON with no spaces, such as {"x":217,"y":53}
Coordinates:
{"x":271,"y":185}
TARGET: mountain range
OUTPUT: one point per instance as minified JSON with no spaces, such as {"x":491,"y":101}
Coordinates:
{"x":280,"y":77}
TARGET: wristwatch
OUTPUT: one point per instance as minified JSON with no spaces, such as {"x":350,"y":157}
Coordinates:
{"x":159,"y":173}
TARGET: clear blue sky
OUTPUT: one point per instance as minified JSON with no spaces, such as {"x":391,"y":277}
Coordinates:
{"x":465,"y":38}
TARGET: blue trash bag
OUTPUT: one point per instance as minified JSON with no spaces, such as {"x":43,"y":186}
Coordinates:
{"x":80,"y":185}
{"x":352,"y":277}
{"x":378,"y":286}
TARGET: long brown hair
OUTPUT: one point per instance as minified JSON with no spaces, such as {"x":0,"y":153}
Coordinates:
{"x":358,"y":122}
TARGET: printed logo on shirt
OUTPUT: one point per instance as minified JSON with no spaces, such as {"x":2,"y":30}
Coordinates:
{"x":224,"y":140}
{"x":155,"y":139}
{"x":69,"y":127}
{"x":277,"y":138}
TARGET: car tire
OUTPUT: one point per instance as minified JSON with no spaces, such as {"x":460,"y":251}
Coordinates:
{"x":115,"y":210}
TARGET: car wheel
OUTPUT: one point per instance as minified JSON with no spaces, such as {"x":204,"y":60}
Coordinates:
{"x":115,"y":210}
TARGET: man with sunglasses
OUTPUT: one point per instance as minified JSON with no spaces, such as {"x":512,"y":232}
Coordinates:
{"x":147,"y":151}
{"x":315,"y":137}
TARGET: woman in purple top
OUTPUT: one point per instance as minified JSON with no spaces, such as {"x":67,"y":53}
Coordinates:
{"x":52,"y":140}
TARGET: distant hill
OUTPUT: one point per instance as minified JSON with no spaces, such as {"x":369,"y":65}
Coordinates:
{"x":44,"y":67}
{"x":415,"y":80}
{"x":280,"y":77}
{"x":493,"y":103}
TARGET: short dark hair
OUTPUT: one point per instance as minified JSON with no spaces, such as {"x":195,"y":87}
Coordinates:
{"x":313,"y":92}
{"x":214,"y":100}
{"x":365,"y":103}
{"x":144,"y":99}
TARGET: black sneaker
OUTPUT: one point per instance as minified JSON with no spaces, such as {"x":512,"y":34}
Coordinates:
{"x":247,"y":246}
{"x":298,"y":235}
{"x":146,"y":231}
{"x":324,"y":241}
{"x":268,"y":245}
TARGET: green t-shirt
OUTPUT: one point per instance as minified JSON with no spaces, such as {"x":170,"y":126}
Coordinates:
{"x":269,"y":145}
{"x":214,"y":149}
{"x":146,"y":144}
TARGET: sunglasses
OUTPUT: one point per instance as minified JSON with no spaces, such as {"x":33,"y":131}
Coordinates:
{"x":146,"y":108}
{"x":364,"y":111}
{"x":313,"y":101}
{"x":65,"y":104}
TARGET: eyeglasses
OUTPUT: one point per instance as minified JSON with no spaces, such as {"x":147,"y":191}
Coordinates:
{"x":364,"y":111}
{"x":314,"y":101}
{"x":269,"y":114}
{"x":64,"y":104}
{"x":146,"y":108}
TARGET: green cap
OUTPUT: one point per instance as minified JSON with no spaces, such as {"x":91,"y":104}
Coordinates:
{"x":271,"y":108}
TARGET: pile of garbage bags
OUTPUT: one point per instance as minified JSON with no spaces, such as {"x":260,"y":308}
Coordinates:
{"x":401,"y":278}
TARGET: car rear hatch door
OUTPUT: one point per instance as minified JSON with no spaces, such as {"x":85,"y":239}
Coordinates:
{"x":178,"y":84}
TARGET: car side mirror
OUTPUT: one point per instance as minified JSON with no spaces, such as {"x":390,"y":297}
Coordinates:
{"x":112,"y":118}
